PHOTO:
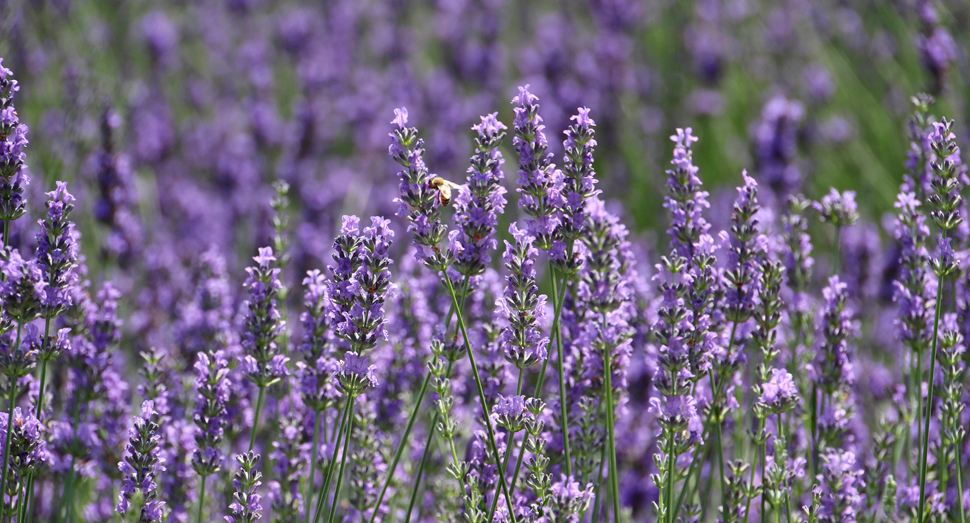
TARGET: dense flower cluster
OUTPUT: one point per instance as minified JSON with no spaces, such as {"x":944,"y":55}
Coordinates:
{"x":761,"y":354}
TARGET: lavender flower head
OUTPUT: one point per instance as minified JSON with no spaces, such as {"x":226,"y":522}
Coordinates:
{"x":13,"y":140}
{"x":420,"y":200}
{"x":318,"y":363}
{"x":143,"y":465}
{"x":521,"y":304}
{"x":838,"y":209}
{"x":539,"y":180}
{"x":478,"y":205}
{"x":57,"y":252}
{"x":832,"y":368}
{"x":568,"y":502}
{"x":685,"y":201}
{"x":361,"y":281}
{"x":23,"y":290}
{"x":779,"y":394}
{"x":263,"y":364}
{"x":745,"y":246}
{"x":28,"y":448}
{"x":246,"y":499}
{"x":776,"y":146}
{"x":841,"y":497}
{"x":356,"y":375}
{"x":579,"y":178}
{"x":212,"y":386}
{"x":510,"y":412}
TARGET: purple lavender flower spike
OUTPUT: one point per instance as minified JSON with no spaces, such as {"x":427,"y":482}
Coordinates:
{"x":263,"y":323}
{"x":24,"y":290}
{"x":13,"y":140}
{"x":420,"y":199}
{"x":540,"y":183}
{"x":57,"y":253}
{"x":839,"y":209}
{"x":246,"y":505}
{"x":521,"y":304}
{"x":356,"y":375}
{"x":479,"y":203}
{"x":212,"y":385}
{"x":776,"y":148}
{"x":579,"y":182}
{"x":142,"y":465}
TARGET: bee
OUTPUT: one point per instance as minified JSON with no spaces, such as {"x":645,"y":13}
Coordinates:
{"x":444,"y":189}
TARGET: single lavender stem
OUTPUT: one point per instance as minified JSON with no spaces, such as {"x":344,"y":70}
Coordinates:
{"x":784,"y":436}
{"x":599,"y":486}
{"x":838,"y":248}
{"x":481,"y":394}
{"x":313,"y":468}
{"x":613,"y":473}
{"x":201,"y":497}
{"x":562,"y":381}
{"x":343,"y":459}
{"x":759,"y":450}
{"x":259,"y":405}
{"x":929,"y":400}
{"x":6,"y":444}
{"x":333,"y":461}
{"x":959,"y":467}
{"x":813,"y":458}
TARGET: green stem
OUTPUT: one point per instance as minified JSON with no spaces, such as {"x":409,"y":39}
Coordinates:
{"x":759,"y":450}
{"x":313,"y":467}
{"x":343,"y":460}
{"x":481,"y":393}
{"x":508,"y":451}
{"x":838,"y":248}
{"x":610,"y":414}
{"x":321,"y":494}
{"x":599,"y":486}
{"x":202,"y":498}
{"x":959,"y":473}
{"x":6,"y":444}
{"x":813,"y":449}
{"x":929,"y":399}
{"x":784,"y":437}
{"x":259,"y":405}
{"x":424,"y":459}
{"x":562,"y":379}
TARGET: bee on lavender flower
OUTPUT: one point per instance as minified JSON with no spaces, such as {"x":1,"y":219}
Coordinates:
{"x":444,"y":188}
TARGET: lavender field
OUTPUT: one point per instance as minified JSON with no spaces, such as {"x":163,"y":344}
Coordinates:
{"x":484,"y":261}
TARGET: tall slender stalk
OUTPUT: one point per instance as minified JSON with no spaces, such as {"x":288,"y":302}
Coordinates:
{"x":311,"y":478}
{"x":6,"y":445}
{"x":481,"y":393}
{"x":929,"y":400}
{"x":610,"y":414}
{"x":760,"y":450}
{"x":202,"y":498}
{"x":259,"y":406}
{"x":562,"y":380}
{"x":322,"y":493}
{"x":343,"y":459}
